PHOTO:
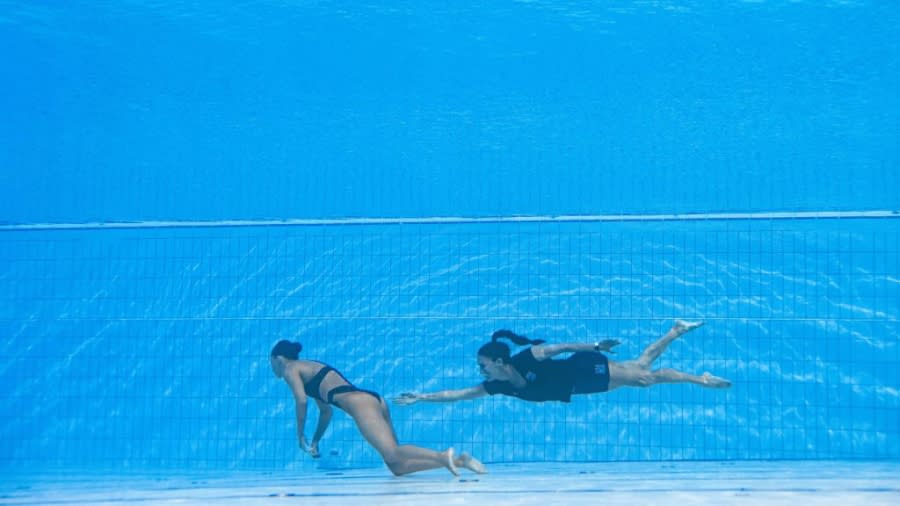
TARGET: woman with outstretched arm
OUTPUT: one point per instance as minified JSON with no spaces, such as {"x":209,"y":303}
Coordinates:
{"x":533,"y":375}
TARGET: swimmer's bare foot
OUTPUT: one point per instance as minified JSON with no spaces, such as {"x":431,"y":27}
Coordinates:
{"x":711,"y":381}
{"x":683,"y":327}
{"x":471,"y":463}
{"x":451,"y":465}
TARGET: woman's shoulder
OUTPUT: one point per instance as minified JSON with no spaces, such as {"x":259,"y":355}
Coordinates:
{"x":311,"y":367}
{"x":294,"y":365}
{"x":526,"y":355}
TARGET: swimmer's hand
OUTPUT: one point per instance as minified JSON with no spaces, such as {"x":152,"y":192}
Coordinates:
{"x":311,"y":449}
{"x":314,"y":450}
{"x":407,"y":398}
{"x":608,"y":345}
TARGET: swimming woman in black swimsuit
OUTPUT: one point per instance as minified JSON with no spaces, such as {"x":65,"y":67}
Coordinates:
{"x":530,"y":376}
{"x":328,"y":387}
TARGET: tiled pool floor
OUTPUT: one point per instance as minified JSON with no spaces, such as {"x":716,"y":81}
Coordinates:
{"x":791,"y":483}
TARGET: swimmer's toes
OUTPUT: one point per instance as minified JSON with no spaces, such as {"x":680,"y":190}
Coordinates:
{"x":682,"y":326}
{"x":715,"y":381}
{"x":472,"y":464}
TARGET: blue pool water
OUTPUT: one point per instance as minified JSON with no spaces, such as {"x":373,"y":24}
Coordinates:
{"x":157,"y":110}
{"x":183,"y":185}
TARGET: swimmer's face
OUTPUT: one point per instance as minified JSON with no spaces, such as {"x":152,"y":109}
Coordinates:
{"x":490,"y":369}
{"x":277,"y":364}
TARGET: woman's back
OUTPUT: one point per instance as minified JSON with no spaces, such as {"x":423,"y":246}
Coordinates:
{"x":319,"y":378}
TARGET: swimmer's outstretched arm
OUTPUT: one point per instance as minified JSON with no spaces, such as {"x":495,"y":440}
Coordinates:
{"x":407,"y":398}
{"x":325,"y":413}
{"x":300,"y":404}
{"x":545,"y":351}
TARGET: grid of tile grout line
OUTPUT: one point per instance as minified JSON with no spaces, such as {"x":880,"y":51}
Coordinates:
{"x":160,"y":338}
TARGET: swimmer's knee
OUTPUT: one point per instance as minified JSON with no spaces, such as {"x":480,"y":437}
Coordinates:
{"x":394,"y":463}
{"x":396,"y":467}
{"x":644,"y":380}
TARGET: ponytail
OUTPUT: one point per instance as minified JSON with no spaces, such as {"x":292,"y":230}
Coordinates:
{"x":515,"y":338}
{"x":495,"y":349}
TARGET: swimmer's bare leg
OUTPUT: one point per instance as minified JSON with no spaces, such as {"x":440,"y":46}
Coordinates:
{"x":653,"y":351}
{"x":672,"y":376}
{"x":629,"y":374}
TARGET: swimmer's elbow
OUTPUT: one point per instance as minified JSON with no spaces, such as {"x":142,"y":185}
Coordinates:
{"x":540,"y":352}
{"x":474,"y":393}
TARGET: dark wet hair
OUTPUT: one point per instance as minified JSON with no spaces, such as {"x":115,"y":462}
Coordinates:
{"x":494,"y":349}
{"x":287,"y":349}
